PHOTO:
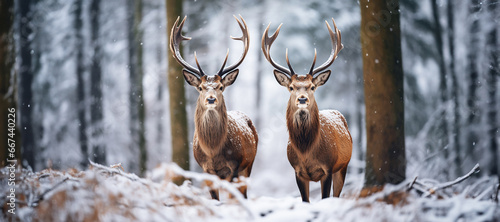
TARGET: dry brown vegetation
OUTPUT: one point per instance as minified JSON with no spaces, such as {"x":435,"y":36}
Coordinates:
{"x":103,"y":193}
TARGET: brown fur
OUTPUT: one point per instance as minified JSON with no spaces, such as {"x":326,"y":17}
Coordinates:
{"x":320,"y":145}
{"x":224,"y":143}
{"x":211,"y":125}
{"x":318,"y":149}
{"x":303,"y":127}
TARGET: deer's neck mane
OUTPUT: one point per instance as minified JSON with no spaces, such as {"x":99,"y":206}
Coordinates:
{"x":211,"y":126}
{"x":303,"y":126}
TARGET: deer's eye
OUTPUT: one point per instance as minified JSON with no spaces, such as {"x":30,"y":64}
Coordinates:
{"x":199,"y":88}
{"x":291,"y":88}
{"x":221,"y":88}
{"x":313,"y":88}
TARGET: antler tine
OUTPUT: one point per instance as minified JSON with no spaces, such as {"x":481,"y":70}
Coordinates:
{"x":245,"y":38}
{"x":176,"y":38}
{"x":224,"y":63}
{"x":336,"y":43}
{"x":314,"y":62}
{"x":198,"y":64}
{"x":266,"y":49}
{"x":288,"y":63}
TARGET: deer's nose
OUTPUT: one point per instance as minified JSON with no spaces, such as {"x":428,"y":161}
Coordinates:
{"x":302,"y":100}
{"x":211,"y":100}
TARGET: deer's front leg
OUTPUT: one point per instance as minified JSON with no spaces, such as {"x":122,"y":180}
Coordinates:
{"x":215,"y":194}
{"x":303,"y":188}
{"x":206,"y":164}
{"x":326,"y":186}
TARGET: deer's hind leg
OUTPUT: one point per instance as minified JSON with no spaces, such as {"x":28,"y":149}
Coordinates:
{"x":246,"y":173}
{"x":338,"y":181}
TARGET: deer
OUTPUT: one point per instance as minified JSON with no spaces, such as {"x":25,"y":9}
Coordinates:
{"x":224,"y":142}
{"x":319,"y":145}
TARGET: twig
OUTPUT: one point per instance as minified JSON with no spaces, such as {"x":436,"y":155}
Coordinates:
{"x":412,"y":183}
{"x":433,"y":190}
{"x":217,"y":183}
{"x":116,"y":171}
{"x":475,"y":190}
{"x":118,"y":165}
{"x":429,"y":181}
{"x":427,"y":191}
{"x":423,"y":190}
{"x":495,"y":198}
{"x":484,"y":193}
{"x":421,"y":187}
{"x":42,"y":195}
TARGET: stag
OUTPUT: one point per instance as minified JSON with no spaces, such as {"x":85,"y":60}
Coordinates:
{"x":319,"y":144}
{"x":224,"y":143}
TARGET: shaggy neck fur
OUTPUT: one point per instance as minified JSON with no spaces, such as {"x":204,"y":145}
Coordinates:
{"x":211,"y":125}
{"x":303,"y":126}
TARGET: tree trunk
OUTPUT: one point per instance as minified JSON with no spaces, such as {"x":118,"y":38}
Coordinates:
{"x":80,"y":84}
{"x":384,"y":95}
{"x":143,"y":154}
{"x":472,"y":70}
{"x":96,"y":113}
{"x":359,"y":116}
{"x":443,"y":123}
{"x":25,"y":82}
{"x":39,"y":105}
{"x":136,"y":98}
{"x":454,"y":91}
{"x":260,"y":65}
{"x":493,"y":73}
{"x":8,"y":103}
{"x":178,"y":117}
{"x":159,"y":95}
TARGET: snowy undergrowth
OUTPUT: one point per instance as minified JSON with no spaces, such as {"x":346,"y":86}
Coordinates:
{"x":108,"y":194}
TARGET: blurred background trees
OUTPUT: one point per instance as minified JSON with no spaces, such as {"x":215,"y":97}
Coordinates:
{"x":135,"y":35}
{"x":7,"y":78}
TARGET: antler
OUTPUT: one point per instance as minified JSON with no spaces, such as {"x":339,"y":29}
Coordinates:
{"x":266,"y":49}
{"x":337,"y":46}
{"x":245,"y":38}
{"x":176,"y":38}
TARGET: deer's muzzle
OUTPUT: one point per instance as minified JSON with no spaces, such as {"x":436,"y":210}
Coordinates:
{"x":211,"y":101}
{"x":302,"y":102}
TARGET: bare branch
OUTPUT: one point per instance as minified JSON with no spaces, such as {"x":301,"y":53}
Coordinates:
{"x":427,"y":190}
{"x":495,"y":198}
{"x":410,"y":186}
{"x":475,"y":169}
{"x":42,"y":195}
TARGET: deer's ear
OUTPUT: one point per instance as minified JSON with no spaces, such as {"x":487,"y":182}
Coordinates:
{"x":230,"y":78}
{"x":322,"y":78}
{"x":282,"y":79}
{"x":191,"y":78}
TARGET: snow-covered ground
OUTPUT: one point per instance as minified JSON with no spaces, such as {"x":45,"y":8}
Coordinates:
{"x":108,"y":194}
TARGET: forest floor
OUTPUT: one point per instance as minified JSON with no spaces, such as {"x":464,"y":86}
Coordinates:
{"x":103,"y":193}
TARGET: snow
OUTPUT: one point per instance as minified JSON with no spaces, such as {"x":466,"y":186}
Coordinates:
{"x":334,"y":121}
{"x":240,"y":121}
{"x":272,"y":187}
{"x":103,"y":193}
